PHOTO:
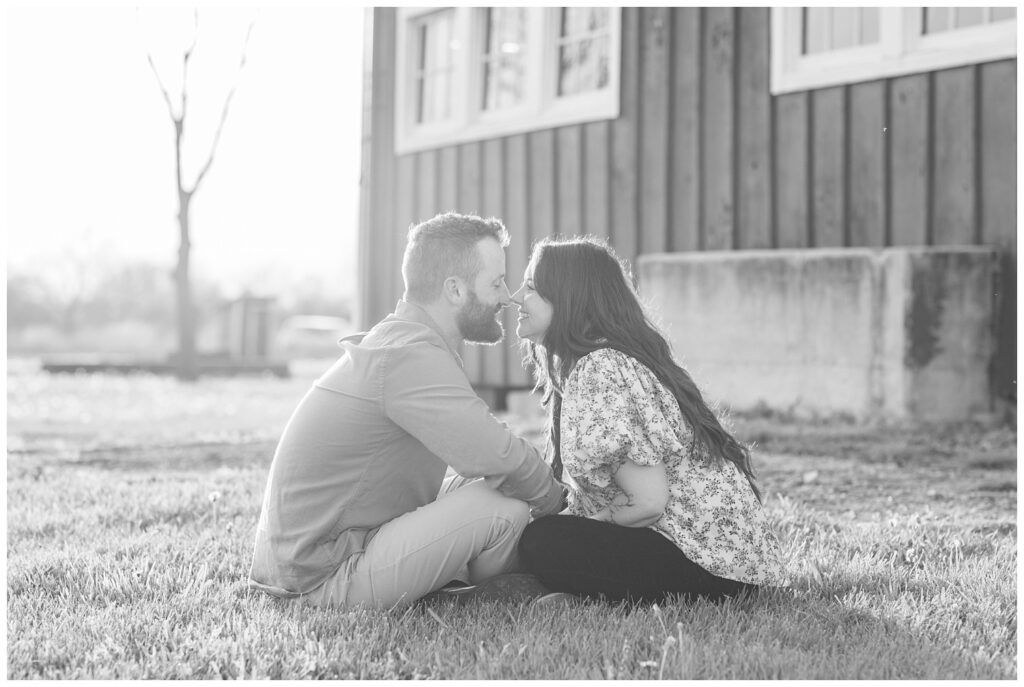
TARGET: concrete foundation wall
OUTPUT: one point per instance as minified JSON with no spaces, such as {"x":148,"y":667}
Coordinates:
{"x":899,"y":333}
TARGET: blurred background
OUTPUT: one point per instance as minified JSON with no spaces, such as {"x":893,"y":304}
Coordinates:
{"x":91,"y":198}
{"x":790,"y":155}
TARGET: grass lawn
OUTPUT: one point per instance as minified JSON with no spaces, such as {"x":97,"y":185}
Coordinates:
{"x":131,"y":503}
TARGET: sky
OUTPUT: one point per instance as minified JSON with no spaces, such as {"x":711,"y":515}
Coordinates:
{"x":89,"y":159}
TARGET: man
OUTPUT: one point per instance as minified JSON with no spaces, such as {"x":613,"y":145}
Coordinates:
{"x":350,"y":514}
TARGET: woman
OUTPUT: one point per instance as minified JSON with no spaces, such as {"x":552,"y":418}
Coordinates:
{"x":662,"y":499}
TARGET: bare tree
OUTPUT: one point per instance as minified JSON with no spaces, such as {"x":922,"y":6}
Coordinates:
{"x":188,"y":366}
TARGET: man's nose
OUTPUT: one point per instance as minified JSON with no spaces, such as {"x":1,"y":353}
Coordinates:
{"x":505,"y":297}
{"x":516,"y":298}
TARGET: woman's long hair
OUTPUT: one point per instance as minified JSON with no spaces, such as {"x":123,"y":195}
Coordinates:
{"x":595,"y":306}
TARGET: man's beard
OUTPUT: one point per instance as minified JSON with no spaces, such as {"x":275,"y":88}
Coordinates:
{"x":477,"y":322}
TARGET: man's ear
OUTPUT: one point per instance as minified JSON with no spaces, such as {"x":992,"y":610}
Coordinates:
{"x":454,"y":290}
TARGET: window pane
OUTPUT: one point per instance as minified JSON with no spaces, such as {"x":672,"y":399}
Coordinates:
{"x":436,"y":35}
{"x":568,"y":75}
{"x":938,"y":19}
{"x":504,"y":83}
{"x":506,"y":30}
{"x":968,"y":16}
{"x":504,"y":57}
{"x":436,"y":98}
{"x":434,"y":67}
{"x":584,"y":66}
{"x":870,"y":19}
{"x":844,"y":27}
{"x":421,"y":59}
{"x":835,"y":28}
{"x":603,"y":62}
{"x":583,"y":54}
{"x":817,"y":30}
{"x":574,"y":21}
{"x":580,"y":20}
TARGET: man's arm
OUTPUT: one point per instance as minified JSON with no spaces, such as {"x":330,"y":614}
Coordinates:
{"x":428,"y":395}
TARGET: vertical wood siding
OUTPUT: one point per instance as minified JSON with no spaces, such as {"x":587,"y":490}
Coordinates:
{"x":907,"y":136}
{"x":365,"y":246}
{"x":828,"y":177}
{"x":997,"y":184}
{"x":492,"y":204}
{"x":684,"y":197}
{"x":468,"y":199}
{"x":866,"y":169}
{"x":568,"y":180}
{"x":792,"y":171}
{"x":953,"y":140}
{"x":655,"y":122}
{"x":703,"y":157}
{"x":753,"y":132}
{"x":596,"y":179}
{"x":718,"y":129}
{"x":377,"y":275}
{"x":517,"y":217}
{"x":625,"y":140}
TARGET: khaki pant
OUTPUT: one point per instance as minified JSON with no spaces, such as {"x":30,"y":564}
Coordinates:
{"x":470,"y":531}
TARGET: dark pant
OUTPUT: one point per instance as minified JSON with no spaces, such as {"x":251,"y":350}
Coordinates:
{"x":601,"y":560}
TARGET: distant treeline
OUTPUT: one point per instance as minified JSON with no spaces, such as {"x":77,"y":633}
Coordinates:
{"x":126,"y":308}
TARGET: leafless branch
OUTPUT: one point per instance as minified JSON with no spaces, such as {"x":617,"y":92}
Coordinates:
{"x":159,"y":81}
{"x":224,"y":112}
{"x":195,"y":30}
{"x":163,"y":89}
{"x":185,"y":59}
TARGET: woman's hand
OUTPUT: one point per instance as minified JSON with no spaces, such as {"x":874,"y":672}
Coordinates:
{"x":643,"y":499}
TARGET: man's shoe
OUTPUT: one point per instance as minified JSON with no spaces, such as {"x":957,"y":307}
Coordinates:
{"x":513,"y":587}
{"x":556,"y":599}
{"x":507,"y":587}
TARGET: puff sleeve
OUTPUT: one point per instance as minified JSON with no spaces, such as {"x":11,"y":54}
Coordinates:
{"x":616,"y":407}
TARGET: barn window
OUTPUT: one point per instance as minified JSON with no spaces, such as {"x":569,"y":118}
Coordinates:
{"x":504,"y":57}
{"x":583,"y":46}
{"x":826,"y":29}
{"x":465,"y":73}
{"x":435,"y":61}
{"x":939,"y":19}
{"x":814,"y":47}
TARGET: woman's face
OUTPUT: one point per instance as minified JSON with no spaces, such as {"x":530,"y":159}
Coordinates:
{"x":534,"y":312}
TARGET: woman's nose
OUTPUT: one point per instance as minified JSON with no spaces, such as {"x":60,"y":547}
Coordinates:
{"x":516,"y":297}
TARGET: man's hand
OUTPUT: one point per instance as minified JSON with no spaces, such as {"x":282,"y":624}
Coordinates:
{"x":555,"y":501}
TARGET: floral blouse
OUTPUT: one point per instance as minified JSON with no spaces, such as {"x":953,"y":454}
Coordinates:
{"x":614,"y":409}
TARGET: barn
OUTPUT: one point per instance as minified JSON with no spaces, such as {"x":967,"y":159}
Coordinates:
{"x":681,"y":131}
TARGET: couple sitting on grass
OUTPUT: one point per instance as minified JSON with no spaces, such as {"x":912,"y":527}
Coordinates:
{"x":393,"y":481}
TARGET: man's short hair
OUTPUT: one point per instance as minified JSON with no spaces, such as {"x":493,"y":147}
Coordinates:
{"x":445,"y":246}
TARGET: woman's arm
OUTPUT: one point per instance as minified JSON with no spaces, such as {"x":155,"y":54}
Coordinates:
{"x":643,"y":498}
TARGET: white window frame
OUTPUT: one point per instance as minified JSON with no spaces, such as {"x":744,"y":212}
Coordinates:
{"x":902,"y":49}
{"x":540,"y":109}
{"x":437,"y":127}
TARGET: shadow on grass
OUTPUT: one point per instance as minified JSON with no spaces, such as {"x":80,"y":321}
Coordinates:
{"x":780,"y":633}
{"x":200,"y":456}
